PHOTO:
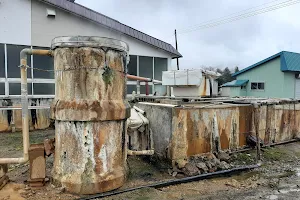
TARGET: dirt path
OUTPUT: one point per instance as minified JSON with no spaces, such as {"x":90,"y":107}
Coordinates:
{"x":278,"y":178}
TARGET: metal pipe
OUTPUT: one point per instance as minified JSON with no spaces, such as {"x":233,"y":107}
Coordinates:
{"x":19,"y":107}
{"x":24,"y":99}
{"x":264,"y":146}
{"x":138,"y":78}
{"x":174,"y":182}
{"x":138,"y":87}
{"x":139,"y":110}
{"x":281,"y":143}
{"x":139,"y":153}
{"x":144,"y":79}
{"x":147,"y":88}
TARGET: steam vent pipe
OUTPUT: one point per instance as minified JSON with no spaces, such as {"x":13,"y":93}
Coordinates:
{"x":90,"y":112}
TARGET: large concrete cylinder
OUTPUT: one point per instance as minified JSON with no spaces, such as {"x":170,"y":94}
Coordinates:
{"x":90,"y":113}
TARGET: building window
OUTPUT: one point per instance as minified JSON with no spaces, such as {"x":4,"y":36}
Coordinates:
{"x":257,"y":86}
{"x":2,"y":61}
{"x":44,"y":63}
{"x":2,"y":88}
{"x":44,"y":88}
{"x":13,"y":61}
{"x":15,"y":89}
{"x":132,"y":65}
{"x":131,"y":88}
{"x":143,"y":89}
{"x":160,"y":65}
{"x":146,"y":66}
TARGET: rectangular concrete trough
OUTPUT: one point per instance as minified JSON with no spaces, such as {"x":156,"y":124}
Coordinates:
{"x":12,"y":118}
{"x":180,"y":131}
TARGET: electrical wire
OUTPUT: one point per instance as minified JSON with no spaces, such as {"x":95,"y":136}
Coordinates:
{"x":227,"y":16}
{"x":245,"y":15}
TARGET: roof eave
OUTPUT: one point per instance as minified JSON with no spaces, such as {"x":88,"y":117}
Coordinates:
{"x":160,"y":44}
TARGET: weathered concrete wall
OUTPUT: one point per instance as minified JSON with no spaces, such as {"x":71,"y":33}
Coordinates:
{"x":201,"y":129}
{"x":38,"y":118}
{"x":161,"y":126}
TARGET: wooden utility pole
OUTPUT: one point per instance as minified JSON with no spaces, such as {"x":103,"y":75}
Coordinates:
{"x":176,"y":48}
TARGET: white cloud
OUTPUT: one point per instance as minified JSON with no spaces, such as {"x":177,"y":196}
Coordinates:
{"x":240,"y":43}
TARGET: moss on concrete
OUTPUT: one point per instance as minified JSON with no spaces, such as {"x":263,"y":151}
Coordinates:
{"x":244,"y":158}
{"x":275,"y":154}
{"x":108,"y":76}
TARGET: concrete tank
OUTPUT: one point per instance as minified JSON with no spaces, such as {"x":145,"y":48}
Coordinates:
{"x":90,"y":113}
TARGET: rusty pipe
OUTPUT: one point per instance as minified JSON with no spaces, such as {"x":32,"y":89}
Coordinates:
{"x":143,"y":79}
{"x":138,"y":78}
{"x":24,"y":99}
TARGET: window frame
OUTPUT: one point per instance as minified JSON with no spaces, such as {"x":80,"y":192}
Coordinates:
{"x":32,"y":79}
{"x":243,"y":87}
{"x":257,"y":84}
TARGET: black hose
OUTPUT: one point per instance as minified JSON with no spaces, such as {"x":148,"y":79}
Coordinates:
{"x":173,"y":182}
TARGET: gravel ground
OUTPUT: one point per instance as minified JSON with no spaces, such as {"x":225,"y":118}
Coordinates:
{"x":278,"y":178}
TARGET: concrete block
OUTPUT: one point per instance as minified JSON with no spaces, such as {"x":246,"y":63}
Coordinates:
{"x":37,"y":162}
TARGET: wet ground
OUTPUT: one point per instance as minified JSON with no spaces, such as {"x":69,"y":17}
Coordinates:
{"x":278,"y":178}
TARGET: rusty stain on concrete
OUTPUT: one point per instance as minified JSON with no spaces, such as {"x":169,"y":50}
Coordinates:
{"x":199,"y":130}
{"x":245,"y":123}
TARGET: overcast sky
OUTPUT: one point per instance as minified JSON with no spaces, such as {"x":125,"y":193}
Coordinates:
{"x":240,"y":43}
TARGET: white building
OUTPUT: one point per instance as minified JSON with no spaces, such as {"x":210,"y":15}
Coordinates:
{"x":34,"y":23}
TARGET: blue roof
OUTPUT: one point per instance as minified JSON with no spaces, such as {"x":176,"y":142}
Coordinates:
{"x":289,"y":61}
{"x":235,"y":83}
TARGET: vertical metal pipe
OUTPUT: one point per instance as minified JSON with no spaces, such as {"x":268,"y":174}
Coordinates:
{"x":176,"y":49}
{"x":138,"y":88}
{"x":6,"y":69}
{"x":256,"y":126}
{"x":147,"y":88}
{"x":24,"y":101}
{"x":31,"y":71}
{"x":153,"y":74}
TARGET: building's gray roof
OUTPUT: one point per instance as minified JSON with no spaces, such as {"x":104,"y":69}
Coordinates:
{"x":92,"y":15}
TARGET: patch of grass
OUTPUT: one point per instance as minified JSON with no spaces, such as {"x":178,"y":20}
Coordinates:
{"x":286,"y":173}
{"x":138,"y":168}
{"x":297,"y":154}
{"x":247,"y":175}
{"x":244,"y":158}
{"x":275,"y":154}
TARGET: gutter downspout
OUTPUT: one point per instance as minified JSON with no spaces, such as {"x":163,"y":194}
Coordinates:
{"x":24,"y":99}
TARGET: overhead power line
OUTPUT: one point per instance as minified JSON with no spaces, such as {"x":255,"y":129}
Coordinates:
{"x":227,"y":16}
{"x":227,"y":19}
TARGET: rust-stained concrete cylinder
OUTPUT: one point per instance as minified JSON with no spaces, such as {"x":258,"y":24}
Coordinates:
{"x":90,"y":113}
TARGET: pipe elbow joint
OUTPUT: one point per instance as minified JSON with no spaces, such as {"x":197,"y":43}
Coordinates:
{"x":25,"y":52}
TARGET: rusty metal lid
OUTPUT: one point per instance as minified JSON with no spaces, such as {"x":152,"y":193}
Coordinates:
{"x":88,"y":41}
